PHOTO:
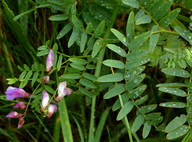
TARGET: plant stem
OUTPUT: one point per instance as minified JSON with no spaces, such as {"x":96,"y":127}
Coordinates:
{"x":97,"y":74}
{"x":126,"y":121}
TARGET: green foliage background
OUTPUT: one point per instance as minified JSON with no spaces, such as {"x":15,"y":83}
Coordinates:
{"x":127,"y":61}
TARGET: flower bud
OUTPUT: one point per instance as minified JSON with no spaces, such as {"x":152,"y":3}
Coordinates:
{"x":12,"y":93}
{"x":49,"y":60}
{"x":21,"y":122}
{"x":45,"y":79}
{"x":20,"y":105}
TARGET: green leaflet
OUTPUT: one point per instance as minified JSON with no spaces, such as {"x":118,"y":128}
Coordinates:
{"x":136,"y":63}
{"x":139,"y":40}
{"x":114,"y":63}
{"x":167,"y":20}
{"x":85,"y":92}
{"x":89,"y":76}
{"x":132,"y":3}
{"x":116,"y":77}
{"x":77,"y":66}
{"x":176,"y":85}
{"x":99,"y":30}
{"x":139,"y":120}
{"x":96,"y":48}
{"x":184,"y":33}
{"x":87,"y":83}
{"x":59,"y":17}
{"x":147,"y":109}
{"x":89,"y":28}
{"x":133,"y":72}
{"x":153,"y":39}
{"x":116,"y":90}
{"x":156,"y":121}
{"x":146,"y":129}
{"x":181,"y":131}
{"x":59,"y":63}
{"x":130,"y":27}
{"x":175,"y":123}
{"x":64,"y":31}
{"x":76,"y":22}
{"x":176,"y":72}
{"x":26,"y":79}
{"x":134,"y":82}
{"x":127,"y":107}
{"x":137,"y":54}
{"x":70,"y":76}
{"x":43,"y":52}
{"x":35,"y":77}
{"x":137,"y":92}
{"x":83,"y":42}
{"x":142,"y":18}
{"x":73,"y":37}
{"x":120,"y":36}
{"x":78,"y":61}
{"x":152,"y":116}
{"x":117,"y":49}
{"x":49,"y":89}
{"x":173,"y":104}
{"x":174,"y":91}
{"x":141,"y":100}
{"x":159,"y":8}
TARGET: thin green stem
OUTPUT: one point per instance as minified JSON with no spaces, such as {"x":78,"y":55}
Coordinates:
{"x":126,"y":121}
{"x":24,"y":114}
{"x":165,"y":31}
{"x":97,"y":74}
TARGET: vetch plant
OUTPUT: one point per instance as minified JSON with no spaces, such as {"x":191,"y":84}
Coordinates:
{"x":126,"y":63}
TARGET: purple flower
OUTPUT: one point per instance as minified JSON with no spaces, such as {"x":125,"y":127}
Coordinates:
{"x":49,"y":60}
{"x":63,"y":90}
{"x":14,"y":114}
{"x":45,"y":100}
{"x":21,"y":122}
{"x":51,"y":109}
{"x":45,"y":79}
{"x":20,"y":105}
{"x":12,"y":93}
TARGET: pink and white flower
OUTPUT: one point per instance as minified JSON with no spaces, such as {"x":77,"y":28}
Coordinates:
{"x":51,"y":109}
{"x":14,"y":114}
{"x":63,"y":90}
{"x":20,"y":105}
{"x":21,"y":122}
{"x":45,"y":100}
{"x":12,"y":93}
{"x":45,"y":79}
{"x":49,"y":60}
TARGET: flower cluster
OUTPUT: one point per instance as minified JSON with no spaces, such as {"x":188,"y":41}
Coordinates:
{"x":13,"y":93}
{"x":46,"y":108}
